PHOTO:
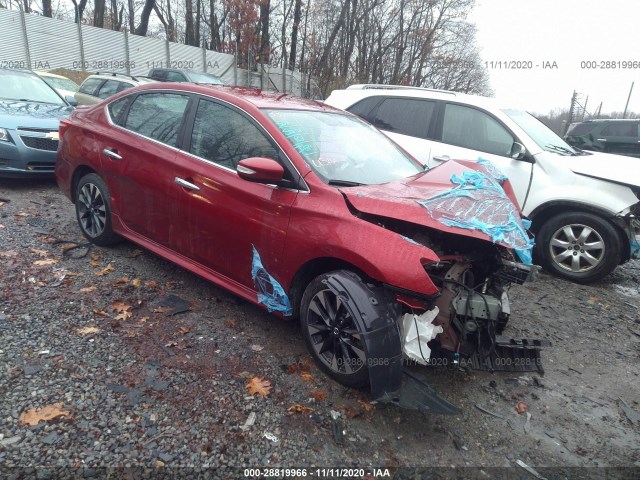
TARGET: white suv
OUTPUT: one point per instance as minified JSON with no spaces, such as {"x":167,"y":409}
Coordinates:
{"x":584,"y":205}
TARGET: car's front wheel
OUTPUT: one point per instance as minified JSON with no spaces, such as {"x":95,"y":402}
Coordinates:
{"x":578,"y":246}
{"x":93,"y":210}
{"x":332,"y":334}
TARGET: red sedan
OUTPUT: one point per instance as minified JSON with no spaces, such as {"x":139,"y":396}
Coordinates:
{"x":313,"y":214}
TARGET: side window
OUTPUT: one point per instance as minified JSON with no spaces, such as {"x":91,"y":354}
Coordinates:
{"x":407,"y":116}
{"x":224,"y":136}
{"x":470,"y":128}
{"x":89,"y":86}
{"x":116,"y":108}
{"x":622,"y":129}
{"x":364,"y":107}
{"x":109,"y":88}
{"x":157,"y":116}
{"x":175,"y":77}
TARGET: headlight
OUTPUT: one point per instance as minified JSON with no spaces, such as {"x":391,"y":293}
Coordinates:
{"x":4,"y":135}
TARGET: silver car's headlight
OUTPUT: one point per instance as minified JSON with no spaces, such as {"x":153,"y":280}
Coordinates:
{"x":4,"y":135}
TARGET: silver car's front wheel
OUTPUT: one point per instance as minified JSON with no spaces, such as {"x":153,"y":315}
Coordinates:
{"x":579,"y":246}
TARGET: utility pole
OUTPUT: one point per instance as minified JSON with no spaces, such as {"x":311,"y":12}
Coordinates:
{"x":624,"y":115}
{"x":584,"y":109}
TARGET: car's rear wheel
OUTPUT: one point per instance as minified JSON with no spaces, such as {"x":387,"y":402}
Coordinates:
{"x":578,"y":246}
{"x":93,"y":210}
{"x":332,"y":334}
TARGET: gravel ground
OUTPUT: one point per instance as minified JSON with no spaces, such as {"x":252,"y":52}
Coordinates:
{"x":147,"y":366}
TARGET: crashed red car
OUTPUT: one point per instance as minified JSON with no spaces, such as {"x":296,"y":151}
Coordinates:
{"x":314,"y":214}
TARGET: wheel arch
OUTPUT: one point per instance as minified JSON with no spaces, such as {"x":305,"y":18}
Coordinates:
{"x":548,"y":210}
{"x":310,"y":270}
{"x":78,"y":173}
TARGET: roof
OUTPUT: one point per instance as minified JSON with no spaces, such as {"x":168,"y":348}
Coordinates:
{"x":258,"y":98}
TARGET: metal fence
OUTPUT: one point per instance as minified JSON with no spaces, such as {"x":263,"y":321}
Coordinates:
{"x":42,"y":43}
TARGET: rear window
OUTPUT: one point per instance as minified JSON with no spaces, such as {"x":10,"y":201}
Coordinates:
{"x":621,"y":129}
{"x":90,"y":84}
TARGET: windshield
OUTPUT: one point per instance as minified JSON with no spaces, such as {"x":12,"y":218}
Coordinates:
{"x":540,"y":133}
{"x":27,"y":87}
{"x":342,"y":149}
{"x":205,"y":78}
{"x":61,"y":83}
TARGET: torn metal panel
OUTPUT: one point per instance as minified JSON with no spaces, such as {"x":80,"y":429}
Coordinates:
{"x":418,"y":331}
{"x":478,"y":202}
{"x":418,"y":394}
{"x":270,"y":292}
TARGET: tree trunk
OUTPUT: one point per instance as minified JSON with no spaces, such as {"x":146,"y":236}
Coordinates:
{"x":215,"y":27}
{"x":189,"y":32}
{"x":27,"y":7}
{"x":47,"y":11}
{"x":196,"y":33}
{"x":297,"y":13}
{"x":264,"y":31}
{"x":132,"y":16}
{"x":79,"y":9}
{"x":98,"y":13}
{"x":144,"y":18}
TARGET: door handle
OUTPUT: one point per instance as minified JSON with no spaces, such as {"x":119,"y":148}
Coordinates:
{"x":111,"y":154}
{"x":185,"y":184}
{"x":442,"y":158}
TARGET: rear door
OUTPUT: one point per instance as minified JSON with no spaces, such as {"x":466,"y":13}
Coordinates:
{"x":219,"y":215}
{"x":137,"y":155}
{"x":621,"y":138}
{"x":469,"y":133}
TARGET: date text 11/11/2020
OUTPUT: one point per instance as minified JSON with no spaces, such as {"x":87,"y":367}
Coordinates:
{"x":267,"y":472}
{"x":521,"y":65}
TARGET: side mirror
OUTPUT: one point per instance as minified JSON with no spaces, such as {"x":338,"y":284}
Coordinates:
{"x":261,"y":170}
{"x":518,"y":152}
{"x":71,"y":100}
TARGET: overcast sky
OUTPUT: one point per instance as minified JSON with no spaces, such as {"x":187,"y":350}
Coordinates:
{"x":568,"y":32}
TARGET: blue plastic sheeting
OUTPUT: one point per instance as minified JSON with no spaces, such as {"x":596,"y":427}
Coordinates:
{"x":270,"y":292}
{"x":492,"y":169}
{"x":478,"y":202}
{"x":635,"y":250}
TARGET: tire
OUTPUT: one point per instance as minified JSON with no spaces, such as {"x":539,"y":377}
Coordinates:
{"x":332,"y":335}
{"x":93,"y":210}
{"x":577,"y":246}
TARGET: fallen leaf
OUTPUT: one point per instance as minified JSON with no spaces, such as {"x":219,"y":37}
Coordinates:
{"x":293,"y":368}
{"x":87,"y":289}
{"x":161,"y":309}
{"x":100,"y":313}
{"x":9,"y":253}
{"x":318,"y":395}
{"x":21,"y":214}
{"x":171,"y":344}
{"x":259,"y":385}
{"x":119,"y":306}
{"x":306,"y":376}
{"x":151,"y":284}
{"x":94,"y":263}
{"x":42,"y":253}
{"x":121,"y":281}
{"x":244,"y":374}
{"x":88,"y":330}
{"x":230,"y":322}
{"x":123,"y":315}
{"x":183,"y":330}
{"x":135,"y":253}
{"x":367,"y":406}
{"x":95,"y":256}
{"x":521,"y":407}
{"x":257,"y":348}
{"x":349,"y":412}
{"x":48,"y":261}
{"x":297,"y":408}
{"x":143,"y":319}
{"x":34,"y":416}
{"x":105,"y":270}
{"x":136,"y":282}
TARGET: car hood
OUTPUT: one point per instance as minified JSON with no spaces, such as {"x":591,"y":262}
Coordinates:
{"x":615,"y":168}
{"x":451,"y":197}
{"x":14,"y":114}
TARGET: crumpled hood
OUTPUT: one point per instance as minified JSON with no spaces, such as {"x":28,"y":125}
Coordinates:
{"x":442,"y":199}
{"x":616,"y":168}
{"x":14,"y":114}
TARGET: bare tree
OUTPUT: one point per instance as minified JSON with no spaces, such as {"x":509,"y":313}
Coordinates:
{"x":78,"y":9}
{"x":47,"y":11}
{"x":143,"y":26}
{"x":297,"y":14}
{"x":98,"y":13}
